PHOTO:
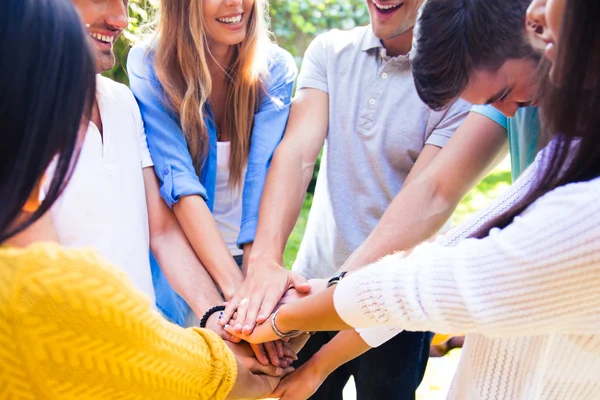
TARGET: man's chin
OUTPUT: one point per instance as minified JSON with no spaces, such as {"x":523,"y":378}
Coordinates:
{"x":105,"y":60}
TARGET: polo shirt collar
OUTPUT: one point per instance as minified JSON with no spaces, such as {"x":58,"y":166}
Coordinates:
{"x":370,"y":42}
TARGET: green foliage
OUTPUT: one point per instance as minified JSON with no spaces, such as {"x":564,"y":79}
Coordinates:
{"x":296,"y":22}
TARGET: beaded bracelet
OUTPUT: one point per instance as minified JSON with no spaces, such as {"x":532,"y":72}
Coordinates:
{"x":210,"y":312}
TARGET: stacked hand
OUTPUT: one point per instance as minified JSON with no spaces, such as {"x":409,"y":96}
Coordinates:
{"x":247,"y":317}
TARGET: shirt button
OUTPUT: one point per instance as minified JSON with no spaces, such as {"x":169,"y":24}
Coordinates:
{"x":384,"y":75}
{"x":166,"y":171}
{"x":371,"y":101}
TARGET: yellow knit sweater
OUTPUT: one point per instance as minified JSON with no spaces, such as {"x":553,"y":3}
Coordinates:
{"x":74,"y":327}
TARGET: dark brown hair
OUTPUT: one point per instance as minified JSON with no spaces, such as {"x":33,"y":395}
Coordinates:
{"x":46,"y":92}
{"x":571,"y":110}
{"x":456,"y":37}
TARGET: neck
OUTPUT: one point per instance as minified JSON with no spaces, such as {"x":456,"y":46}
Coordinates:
{"x":399,"y":45}
{"x":219,"y":58}
{"x":41,"y":230}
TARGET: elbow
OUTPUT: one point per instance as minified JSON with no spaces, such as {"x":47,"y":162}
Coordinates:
{"x":437,"y":197}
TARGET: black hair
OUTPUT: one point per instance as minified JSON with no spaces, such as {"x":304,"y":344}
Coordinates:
{"x":456,"y":37}
{"x":47,"y":89}
{"x":571,"y":109}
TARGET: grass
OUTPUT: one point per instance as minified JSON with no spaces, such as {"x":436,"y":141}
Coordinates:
{"x":498,"y":180}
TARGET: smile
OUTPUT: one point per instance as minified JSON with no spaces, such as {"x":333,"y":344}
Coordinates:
{"x":387,"y":7}
{"x":231,"y":20}
{"x":102,"y":38}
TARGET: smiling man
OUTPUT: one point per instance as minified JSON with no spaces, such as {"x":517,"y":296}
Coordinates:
{"x":356,"y":99}
{"x":112,"y":201}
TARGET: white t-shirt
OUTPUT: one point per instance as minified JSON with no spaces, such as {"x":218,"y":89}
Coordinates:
{"x":227,"y":209}
{"x":104,"y":203}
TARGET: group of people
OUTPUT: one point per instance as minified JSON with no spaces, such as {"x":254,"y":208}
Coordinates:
{"x":142,"y":229}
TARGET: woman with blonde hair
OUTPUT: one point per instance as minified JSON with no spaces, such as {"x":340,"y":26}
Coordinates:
{"x":214,"y":94}
{"x":72,"y":326}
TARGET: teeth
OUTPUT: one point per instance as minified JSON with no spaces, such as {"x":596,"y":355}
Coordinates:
{"x":385,"y":6}
{"x":103,"y":38}
{"x":231,"y":20}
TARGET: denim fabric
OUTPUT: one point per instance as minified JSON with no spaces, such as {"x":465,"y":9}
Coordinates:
{"x":173,"y":163}
{"x":392,"y":371}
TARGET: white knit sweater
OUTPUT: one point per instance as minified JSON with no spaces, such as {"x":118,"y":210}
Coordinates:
{"x":528,"y":296}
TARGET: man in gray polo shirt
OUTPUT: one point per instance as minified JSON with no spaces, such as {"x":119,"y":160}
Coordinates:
{"x":356,"y":97}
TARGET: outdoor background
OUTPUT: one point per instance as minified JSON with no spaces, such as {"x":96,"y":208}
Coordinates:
{"x":294,"y":23}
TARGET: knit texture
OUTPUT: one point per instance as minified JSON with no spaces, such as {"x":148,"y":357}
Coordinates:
{"x":378,"y":335}
{"x":74,"y":327}
{"x":527,"y":295}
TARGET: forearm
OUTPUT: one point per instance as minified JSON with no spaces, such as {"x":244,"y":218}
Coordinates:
{"x":203,"y":234}
{"x":281,"y":202}
{"x":436,"y":184}
{"x":313,"y":313}
{"x":184,"y":271}
{"x":344,"y":347}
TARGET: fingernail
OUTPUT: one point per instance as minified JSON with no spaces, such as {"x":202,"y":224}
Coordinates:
{"x":238,"y":327}
{"x":261,"y":317}
{"x":278,"y":371}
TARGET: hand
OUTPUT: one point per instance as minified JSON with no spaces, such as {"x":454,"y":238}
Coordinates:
{"x":292,"y":295}
{"x":261,"y":291}
{"x":274,"y":352}
{"x":263,"y":333}
{"x":300,"y":384}
{"x":244,"y":353}
{"x":251,"y":386}
{"x":213,"y":324}
{"x":277,"y":353}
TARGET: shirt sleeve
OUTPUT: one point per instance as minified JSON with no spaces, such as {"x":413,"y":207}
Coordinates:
{"x":268,"y":128}
{"x":452,"y":119}
{"x":492,"y":113}
{"x":85,"y":331}
{"x":537,"y":276}
{"x":313,"y":73}
{"x":172,"y":160}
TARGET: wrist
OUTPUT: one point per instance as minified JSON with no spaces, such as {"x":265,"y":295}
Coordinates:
{"x":269,"y":256}
{"x":283,"y":321}
{"x":321,"y":365}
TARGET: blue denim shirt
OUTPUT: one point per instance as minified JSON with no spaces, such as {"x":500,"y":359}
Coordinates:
{"x":173,"y":163}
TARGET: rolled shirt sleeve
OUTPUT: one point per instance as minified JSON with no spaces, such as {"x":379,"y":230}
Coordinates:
{"x":166,"y":141}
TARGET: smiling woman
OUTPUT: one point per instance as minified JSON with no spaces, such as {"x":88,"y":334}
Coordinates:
{"x":214,"y":93}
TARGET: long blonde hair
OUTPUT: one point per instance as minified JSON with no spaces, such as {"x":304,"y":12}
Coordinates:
{"x":181,"y":66}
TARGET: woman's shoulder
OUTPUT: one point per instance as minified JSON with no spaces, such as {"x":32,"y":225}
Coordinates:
{"x":281,"y":64}
{"x":140,"y":60}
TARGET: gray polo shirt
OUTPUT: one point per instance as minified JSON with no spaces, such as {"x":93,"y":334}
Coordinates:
{"x":377,"y":127}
